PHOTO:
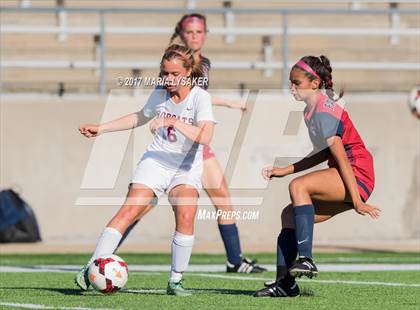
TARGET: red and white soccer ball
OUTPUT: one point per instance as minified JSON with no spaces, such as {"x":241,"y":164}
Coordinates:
{"x":108,"y":274}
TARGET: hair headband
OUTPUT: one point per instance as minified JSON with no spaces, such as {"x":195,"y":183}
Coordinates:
{"x":302,"y":65}
{"x":191,"y":19}
{"x":183,"y":56}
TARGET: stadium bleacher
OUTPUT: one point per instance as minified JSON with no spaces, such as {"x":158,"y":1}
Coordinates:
{"x":37,"y":59}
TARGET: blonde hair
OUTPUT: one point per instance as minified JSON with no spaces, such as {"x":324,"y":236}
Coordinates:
{"x":186,"y":55}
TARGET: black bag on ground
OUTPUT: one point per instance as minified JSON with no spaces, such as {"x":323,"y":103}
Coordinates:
{"x":17,"y":220}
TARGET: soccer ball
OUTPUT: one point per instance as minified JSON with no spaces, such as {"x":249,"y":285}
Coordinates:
{"x":414,"y":100}
{"x":108,"y":274}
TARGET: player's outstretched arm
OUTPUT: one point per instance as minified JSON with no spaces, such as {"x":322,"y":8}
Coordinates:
{"x":311,"y":160}
{"x":269,"y":172}
{"x":314,"y":158}
{"x":233,"y":104}
{"x":337,"y":150}
{"x":123,"y":123}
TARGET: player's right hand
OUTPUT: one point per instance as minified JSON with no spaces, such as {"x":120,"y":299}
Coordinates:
{"x":155,"y":124}
{"x":89,"y":131}
{"x":363,"y":209}
{"x":267,"y":172}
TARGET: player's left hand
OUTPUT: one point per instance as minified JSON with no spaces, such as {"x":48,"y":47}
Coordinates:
{"x":364,"y":208}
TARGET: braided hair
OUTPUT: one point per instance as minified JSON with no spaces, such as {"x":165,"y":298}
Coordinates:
{"x":321,"y":65}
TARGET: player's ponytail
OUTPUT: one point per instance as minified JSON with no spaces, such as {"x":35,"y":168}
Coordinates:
{"x":326,"y":76}
{"x":177,"y":31}
{"x":322,"y":70}
{"x":186,"y":55}
{"x":180,"y":25}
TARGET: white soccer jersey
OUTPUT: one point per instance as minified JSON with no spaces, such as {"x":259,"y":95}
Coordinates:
{"x":170,"y":147}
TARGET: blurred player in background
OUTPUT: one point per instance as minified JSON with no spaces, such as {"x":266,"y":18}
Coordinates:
{"x":183,"y":123}
{"x":191,"y":31}
{"x":318,"y":196}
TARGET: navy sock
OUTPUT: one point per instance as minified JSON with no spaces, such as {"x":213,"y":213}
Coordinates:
{"x":126,"y":233}
{"x":230,"y":237}
{"x":304,"y":224}
{"x":286,"y":252}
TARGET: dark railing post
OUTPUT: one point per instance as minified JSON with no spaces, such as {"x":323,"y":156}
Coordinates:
{"x":102,"y":61}
{"x":285,"y":52}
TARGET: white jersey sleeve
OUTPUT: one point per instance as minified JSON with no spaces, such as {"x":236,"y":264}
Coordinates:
{"x":204,"y":108}
{"x":158,"y":96}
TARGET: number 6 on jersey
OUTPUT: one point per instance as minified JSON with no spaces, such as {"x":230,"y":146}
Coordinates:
{"x":170,"y":134}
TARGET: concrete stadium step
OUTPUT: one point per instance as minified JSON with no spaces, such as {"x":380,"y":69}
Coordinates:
{"x":217,"y":19}
{"x":207,"y":3}
{"x":245,"y":48}
{"x":20,"y":46}
{"x":349,"y":79}
{"x":213,"y":20}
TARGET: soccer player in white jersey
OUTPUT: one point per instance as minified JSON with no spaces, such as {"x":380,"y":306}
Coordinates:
{"x":182,"y":121}
{"x":191,"y":31}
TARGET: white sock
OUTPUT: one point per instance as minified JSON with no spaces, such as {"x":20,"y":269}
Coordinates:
{"x":107,"y":243}
{"x":181,"y":253}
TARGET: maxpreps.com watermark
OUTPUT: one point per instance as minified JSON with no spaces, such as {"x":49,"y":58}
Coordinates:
{"x":161,"y":81}
{"x":237,"y":215}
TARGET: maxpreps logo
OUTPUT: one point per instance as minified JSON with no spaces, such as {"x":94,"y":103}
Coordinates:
{"x":238,"y":215}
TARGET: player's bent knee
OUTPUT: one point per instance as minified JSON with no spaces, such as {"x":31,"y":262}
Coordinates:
{"x":185,"y":216}
{"x":297,"y":187}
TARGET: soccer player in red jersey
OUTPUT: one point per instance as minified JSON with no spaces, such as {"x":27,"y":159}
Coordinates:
{"x":317,"y":196}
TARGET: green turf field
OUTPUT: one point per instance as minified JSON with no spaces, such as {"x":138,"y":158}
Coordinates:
{"x":367,"y":257}
{"x":331,"y":290}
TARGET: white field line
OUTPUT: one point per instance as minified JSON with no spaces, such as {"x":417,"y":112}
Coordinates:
{"x":36,"y":306}
{"x":217,"y":276}
{"x":155,"y":291}
{"x":405,"y":260}
{"x":217,"y":268}
{"x":153,"y":269}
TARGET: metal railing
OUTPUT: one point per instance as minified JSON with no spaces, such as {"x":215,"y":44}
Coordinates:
{"x":284,"y":31}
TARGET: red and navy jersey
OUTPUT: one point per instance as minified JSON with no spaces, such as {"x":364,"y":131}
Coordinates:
{"x":327,"y":118}
{"x":205,"y":67}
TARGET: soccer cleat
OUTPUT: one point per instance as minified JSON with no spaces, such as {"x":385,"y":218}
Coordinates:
{"x":245,"y":266}
{"x":279,"y":289}
{"x":304,"y":266}
{"x":176,"y":288}
{"x":269,"y":283}
{"x":286,"y":279}
{"x":81,"y":279}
